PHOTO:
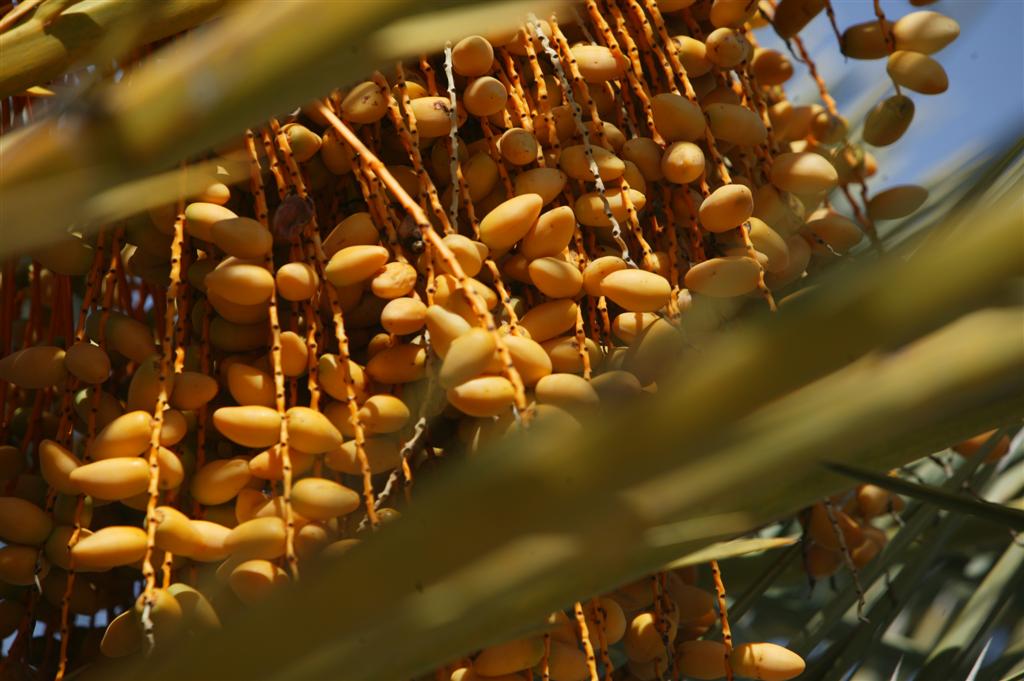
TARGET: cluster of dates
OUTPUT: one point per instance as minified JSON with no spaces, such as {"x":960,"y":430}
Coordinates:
{"x":528,"y":227}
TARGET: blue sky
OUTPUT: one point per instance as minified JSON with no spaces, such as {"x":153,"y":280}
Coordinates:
{"x":984,"y":103}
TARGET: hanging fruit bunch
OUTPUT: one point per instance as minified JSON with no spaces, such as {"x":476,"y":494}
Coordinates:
{"x":201,"y":399}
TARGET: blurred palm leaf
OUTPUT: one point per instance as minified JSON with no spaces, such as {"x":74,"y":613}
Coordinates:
{"x":740,"y":445}
{"x":259,"y":60}
{"x":870,"y":368}
{"x":731,"y":549}
{"x":34,"y":54}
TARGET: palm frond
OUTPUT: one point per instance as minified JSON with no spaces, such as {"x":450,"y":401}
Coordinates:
{"x":194,"y":94}
{"x":996,"y":513}
{"x":35,"y":53}
{"x":488,"y":585}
